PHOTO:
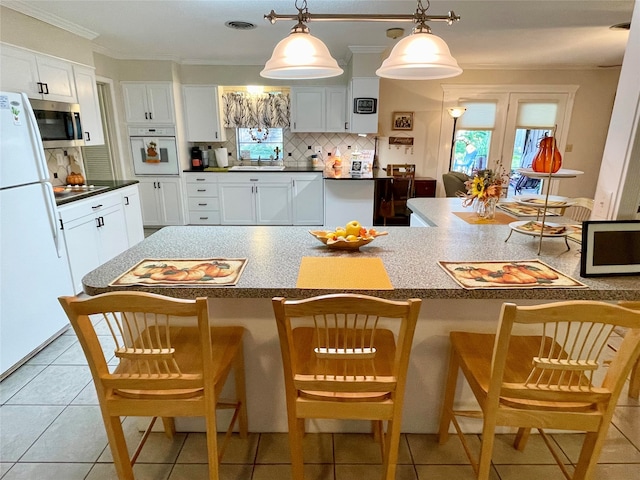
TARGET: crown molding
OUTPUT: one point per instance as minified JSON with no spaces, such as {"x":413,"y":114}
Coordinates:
{"x":46,"y":17}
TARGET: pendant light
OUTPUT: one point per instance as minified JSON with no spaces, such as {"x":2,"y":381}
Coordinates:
{"x":301,"y":55}
{"x":420,"y":56}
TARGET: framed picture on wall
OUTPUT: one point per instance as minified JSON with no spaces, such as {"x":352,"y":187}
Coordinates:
{"x":402,"y":121}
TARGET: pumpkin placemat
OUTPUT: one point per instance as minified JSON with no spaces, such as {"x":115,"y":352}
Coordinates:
{"x":343,"y":273}
{"x":200,"y":271}
{"x":520,"y":274}
{"x":523,"y":210}
{"x":472,"y":218}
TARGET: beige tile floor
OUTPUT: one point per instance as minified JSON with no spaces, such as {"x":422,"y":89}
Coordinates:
{"x":50,"y":428}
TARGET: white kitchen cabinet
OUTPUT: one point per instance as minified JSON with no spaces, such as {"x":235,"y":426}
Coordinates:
{"x":202,"y":113}
{"x":87,"y":90}
{"x":363,"y":87}
{"x":308,"y":109}
{"x":161,"y":201}
{"x":95,"y":231}
{"x":40,"y":76}
{"x":308,"y":198}
{"x":336,"y":109}
{"x":203,"y":204}
{"x":318,"y":109}
{"x":255,"y":199}
{"x":130,"y":197}
{"x":148,"y":103}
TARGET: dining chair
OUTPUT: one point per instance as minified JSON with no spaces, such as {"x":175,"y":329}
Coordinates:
{"x":345,"y":356}
{"x":559,"y":375}
{"x":634,"y":377}
{"x":580,"y":210}
{"x":170,"y":363}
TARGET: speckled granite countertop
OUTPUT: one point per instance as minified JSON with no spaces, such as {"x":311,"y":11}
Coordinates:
{"x":410,"y":256}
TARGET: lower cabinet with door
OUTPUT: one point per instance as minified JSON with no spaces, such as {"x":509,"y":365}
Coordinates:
{"x":255,"y":199}
{"x":97,"y":229}
{"x":161,"y":201}
{"x":275,"y":198}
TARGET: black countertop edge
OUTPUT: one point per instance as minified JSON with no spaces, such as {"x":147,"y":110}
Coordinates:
{"x":286,"y":170}
{"x":110,"y":184}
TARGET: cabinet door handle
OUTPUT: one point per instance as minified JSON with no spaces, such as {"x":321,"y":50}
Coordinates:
{"x":346,"y":125}
{"x":158,"y":184}
{"x":46,"y":88}
{"x":146,"y":116}
{"x":40,"y":89}
{"x":98,"y":223}
{"x":203,"y":204}
{"x":61,"y":224}
{"x":150,"y":116}
{"x":154,"y":185}
{"x":216,"y":134}
{"x":200,"y":179}
{"x":204,"y":218}
{"x":293,"y":183}
{"x":126,"y":200}
{"x":97,"y":206}
{"x":201,"y":190}
{"x":88,"y":135}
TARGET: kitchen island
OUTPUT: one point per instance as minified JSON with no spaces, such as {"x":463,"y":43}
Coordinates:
{"x":410,"y":256}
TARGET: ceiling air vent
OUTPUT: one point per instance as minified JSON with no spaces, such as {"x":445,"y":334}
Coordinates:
{"x":621,"y":26}
{"x":240,"y":25}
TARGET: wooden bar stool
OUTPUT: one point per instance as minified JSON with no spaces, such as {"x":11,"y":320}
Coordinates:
{"x":167,"y":366}
{"x":559,"y":377}
{"x":345,"y":356}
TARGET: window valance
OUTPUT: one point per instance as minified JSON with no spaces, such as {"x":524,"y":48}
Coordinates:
{"x":242,"y":110}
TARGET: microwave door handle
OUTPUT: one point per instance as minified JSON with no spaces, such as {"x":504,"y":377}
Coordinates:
{"x":77,"y":127}
{"x":69,"y":127}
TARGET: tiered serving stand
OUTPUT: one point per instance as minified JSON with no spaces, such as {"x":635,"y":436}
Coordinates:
{"x":543,"y":203}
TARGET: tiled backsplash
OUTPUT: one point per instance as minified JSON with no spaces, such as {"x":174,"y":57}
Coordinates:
{"x":72,"y":163}
{"x":296,"y":146}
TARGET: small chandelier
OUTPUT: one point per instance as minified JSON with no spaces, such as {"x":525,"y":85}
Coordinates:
{"x":420,"y":56}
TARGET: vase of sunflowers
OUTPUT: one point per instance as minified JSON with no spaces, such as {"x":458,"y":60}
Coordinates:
{"x":484,"y":191}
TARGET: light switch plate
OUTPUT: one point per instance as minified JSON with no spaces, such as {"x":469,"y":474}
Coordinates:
{"x":317,"y":149}
{"x":60,"y":159}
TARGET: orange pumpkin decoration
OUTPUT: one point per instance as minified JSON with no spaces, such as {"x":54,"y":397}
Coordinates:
{"x":548,"y":158}
{"x":75,"y":179}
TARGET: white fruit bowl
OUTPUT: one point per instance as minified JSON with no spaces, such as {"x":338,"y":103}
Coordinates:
{"x":343,"y":244}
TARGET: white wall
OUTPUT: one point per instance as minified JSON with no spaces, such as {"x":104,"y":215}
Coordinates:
{"x":618,"y":192}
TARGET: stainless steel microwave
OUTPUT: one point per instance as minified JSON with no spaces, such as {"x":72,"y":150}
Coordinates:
{"x":59,"y":123}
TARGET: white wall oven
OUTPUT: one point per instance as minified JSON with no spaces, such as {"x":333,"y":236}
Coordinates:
{"x":154,"y":151}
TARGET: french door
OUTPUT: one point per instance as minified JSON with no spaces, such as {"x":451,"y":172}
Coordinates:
{"x":503,"y":125}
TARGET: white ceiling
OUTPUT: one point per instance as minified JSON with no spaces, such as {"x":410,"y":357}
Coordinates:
{"x":495,"y":34}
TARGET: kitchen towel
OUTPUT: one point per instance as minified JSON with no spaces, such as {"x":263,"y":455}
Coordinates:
{"x":343,"y":273}
{"x":472,"y":218}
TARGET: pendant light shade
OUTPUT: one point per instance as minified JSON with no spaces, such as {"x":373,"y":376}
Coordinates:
{"x":300,"y":56}
{"x":420,"y":56}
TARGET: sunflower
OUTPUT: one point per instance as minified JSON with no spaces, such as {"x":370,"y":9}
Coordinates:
{"x":478,"y":187}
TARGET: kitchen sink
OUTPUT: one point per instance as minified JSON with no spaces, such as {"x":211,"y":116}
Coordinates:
{"x":256,"y":168}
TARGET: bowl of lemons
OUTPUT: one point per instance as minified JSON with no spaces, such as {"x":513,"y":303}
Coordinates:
{"x":350,"y":237}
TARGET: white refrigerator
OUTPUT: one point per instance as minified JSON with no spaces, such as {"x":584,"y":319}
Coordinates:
{"x":33,"y":257}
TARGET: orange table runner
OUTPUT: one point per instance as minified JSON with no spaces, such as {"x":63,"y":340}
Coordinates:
{"x":472,"y":218}
{"x":343,"y":273}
